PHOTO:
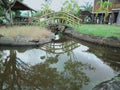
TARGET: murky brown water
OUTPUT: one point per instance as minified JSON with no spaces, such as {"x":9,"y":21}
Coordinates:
{"x":67,"y":65}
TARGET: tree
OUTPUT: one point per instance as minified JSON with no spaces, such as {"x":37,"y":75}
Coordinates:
{"x":71,"y":6}
{"x":87,"y":7}
{"x":104,"y":6}
{"x":1,"y":15}
{"x":46,"y":7}
{"x":7,"y":5}
{"x":1,"y":11}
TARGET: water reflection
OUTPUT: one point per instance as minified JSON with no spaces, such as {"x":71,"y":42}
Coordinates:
{"x":16,"y":74}
{"x":13,"y":72}
{"x":72,"y":78}
{"x":111,"y":56}
{"x":60,"y":46}
{"x":58,"y":65}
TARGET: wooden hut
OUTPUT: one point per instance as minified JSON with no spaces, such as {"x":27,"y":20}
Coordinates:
{"x":23,"y":7}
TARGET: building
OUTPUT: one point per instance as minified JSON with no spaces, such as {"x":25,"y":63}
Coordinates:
{"x":114,"y":12}
{"x":23,"y":7}
{"x":15,"y":19}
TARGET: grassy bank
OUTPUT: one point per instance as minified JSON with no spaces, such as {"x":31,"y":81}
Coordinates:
{"x":29,"y":31}
{"x":100,"y":30}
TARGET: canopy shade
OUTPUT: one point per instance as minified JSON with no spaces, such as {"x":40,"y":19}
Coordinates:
{"x":20,"y":6}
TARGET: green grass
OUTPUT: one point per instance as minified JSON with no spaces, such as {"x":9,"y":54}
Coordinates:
{"x":100,"y":30}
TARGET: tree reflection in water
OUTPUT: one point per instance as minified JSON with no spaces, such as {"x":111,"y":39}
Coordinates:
{"x":17,"y":75}
{"x":13,"y":72}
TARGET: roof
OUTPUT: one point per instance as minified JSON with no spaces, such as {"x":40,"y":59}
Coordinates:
{"x":21,"y":6}
{"x":86,"y":13}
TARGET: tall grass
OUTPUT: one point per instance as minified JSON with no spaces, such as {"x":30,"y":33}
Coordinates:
{"x":29,"y":31}
{"x":100,"y":30}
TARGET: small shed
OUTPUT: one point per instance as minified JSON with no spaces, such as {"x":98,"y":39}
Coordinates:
{"x":23,"y":7}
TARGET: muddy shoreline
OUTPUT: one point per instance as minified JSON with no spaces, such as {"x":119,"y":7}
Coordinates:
{"x":25,"y":41}
{"x":21,"y":40}
{"x":103,"y":41}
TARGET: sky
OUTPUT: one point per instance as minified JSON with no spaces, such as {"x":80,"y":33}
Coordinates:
{"x":55,"y":4}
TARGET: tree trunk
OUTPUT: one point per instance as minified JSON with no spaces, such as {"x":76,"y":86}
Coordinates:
{"x":11,"y":18}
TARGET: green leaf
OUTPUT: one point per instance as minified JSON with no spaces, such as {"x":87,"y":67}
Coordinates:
{"x":42,"y":57}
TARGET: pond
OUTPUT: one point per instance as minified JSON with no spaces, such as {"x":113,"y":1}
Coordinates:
{"x":63,"y":64}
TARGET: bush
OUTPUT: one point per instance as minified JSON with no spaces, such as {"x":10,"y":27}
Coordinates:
{"x":1,"y":20}
{"x":87,"y":20}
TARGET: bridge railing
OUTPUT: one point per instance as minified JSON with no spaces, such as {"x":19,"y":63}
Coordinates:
{"x":60,"y":17}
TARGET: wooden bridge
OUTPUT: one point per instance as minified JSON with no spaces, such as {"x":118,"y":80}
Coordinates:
{"x":59,"y":18}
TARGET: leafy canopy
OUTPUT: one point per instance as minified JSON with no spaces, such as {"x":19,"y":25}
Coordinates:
{"x":71,"y":6}
{"x":87,"y":7}
{"x":104,"y":6}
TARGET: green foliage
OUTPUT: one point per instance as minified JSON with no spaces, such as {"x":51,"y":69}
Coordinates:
{"x":38,"y":13}
{"x":42,"y":57}
{"x":18,"y":13}
{"x":1,"y":21}
{"x":104,"y":6}
{"x":87,"y":7}
{"x":1,"y":11}
{"x":42,"y":24}
{"x":6,"y":5}
{"x":87,"y":20}
{"x":117,"y":78}
{"x":45,"y":7}
{"x":1,"y":14}
{"x":71,"y":6}
{"x":61,"y":35}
